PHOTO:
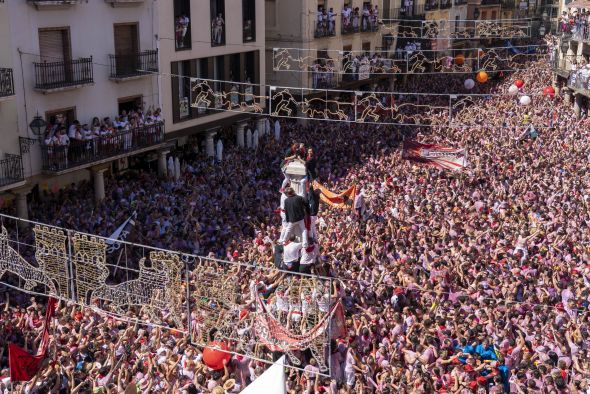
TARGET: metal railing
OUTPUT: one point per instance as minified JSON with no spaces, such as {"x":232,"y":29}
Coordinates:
{"x":124,"y":66}
{"x":11,"y":169}
{"x":577,"y":81}
{"x":431,"y":5}
{"x":62,"y":74}
{"x":490,"y":2}
{"x":6,"y":82}
{"x":61,"y":157}
{"x":325,"y":29}
{"x":446,"y":4}
{"x":368,"y":24}
{"x":460,"y":2}
{"x":351,"y":24}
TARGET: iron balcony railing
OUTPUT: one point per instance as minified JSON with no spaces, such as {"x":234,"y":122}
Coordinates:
{"x":136,"y":64}
{"x":431,"y":5}
{"x":490,"y":2}
{"x":460,"y":2}
{"x":79,"y":152}
{"x":351,"y":24}
{"x":325,"y":29}
{"x":578,"y":81}
{"x":407,"y":12}
{"x":11,"y":169}
{"x":446,"y":4}
{"x":62,"y":74}
{"x":369,"y":25}
{"x":6,"y":82}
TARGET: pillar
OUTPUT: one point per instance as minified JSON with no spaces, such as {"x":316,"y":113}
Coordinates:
{"x":22,"y":209}
{"x":162,"y":163}
{"x":567,"y":96}
{"x":261,"y":126}
{"x":210,"y":144}
{"x":240,"y":134}
{"x":578,"y":104}
{"x":555,"y":84}
{"x":98,"y":175}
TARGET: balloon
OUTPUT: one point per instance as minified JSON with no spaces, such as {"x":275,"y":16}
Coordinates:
{"x":469,"y":84}
{"x":513,"y":90}
{"x":519,"y":83}
{"x":460,"y":59}
{"x":482,"y":77}
{"x":525,"y":100}
{"x":214,"y":354}
{"x":549,"y":91}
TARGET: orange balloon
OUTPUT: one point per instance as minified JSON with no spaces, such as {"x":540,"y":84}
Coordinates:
{"x":214,"y":354}
{"x":460,"y":59}
{"x":482,"y":77}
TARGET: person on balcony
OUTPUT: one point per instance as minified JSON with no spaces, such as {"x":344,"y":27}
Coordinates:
{"x":217,"y":27}
{"x":331,"y":22}
{"x":365,"y":18}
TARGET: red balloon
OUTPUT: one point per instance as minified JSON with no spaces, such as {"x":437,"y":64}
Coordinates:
{"x":214,"y":354}
{"x":549,"y":91}
{"x":519,"y":83}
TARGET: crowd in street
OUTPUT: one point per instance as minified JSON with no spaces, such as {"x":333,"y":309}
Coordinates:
{"x":475,"y":281}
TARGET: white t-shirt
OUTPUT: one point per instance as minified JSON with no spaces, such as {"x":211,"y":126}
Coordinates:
{"x":309,"y":255}
{"x":292,"y":252}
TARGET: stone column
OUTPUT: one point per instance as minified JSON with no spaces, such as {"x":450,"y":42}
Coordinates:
{"x":98,"y":175}
{"x":240,"y":134}
{"x":261,"y":126}
{"x":210,"y":145}
{"x":162,"y":163}
{"x":555,"y":84}
{"x":22,"y":209}
{"x":567,"y":96}
{"x":578,"y":104}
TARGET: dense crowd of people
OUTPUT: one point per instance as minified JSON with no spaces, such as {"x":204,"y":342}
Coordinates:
{"x":452,"y":282}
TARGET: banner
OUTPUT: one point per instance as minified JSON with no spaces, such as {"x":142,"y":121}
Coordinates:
{"x":23,"y":366}
{"x":278,"y":338}
{"x":121,"y":233}
{"x":341,"y":200}
{"x":435,"y":155}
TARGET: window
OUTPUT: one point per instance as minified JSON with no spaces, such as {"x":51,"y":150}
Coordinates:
{"x":494,"y":15}
{"x":181,"y":92}
{"x":367,"y":47}
{"x":126,"y":48}
{"x":63,"y":117}
{"x":249,"y":20}
{"x":457,"y":22}
{"x":182,"y":24}
{"x":217,"y":22}
{"x":54,"y":45}
{"x":131,"y":103}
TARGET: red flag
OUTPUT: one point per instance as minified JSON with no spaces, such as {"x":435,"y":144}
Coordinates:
{"x":23,"y":365}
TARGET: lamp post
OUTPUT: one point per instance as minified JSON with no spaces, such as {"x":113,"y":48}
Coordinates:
{"x":38,"y":125}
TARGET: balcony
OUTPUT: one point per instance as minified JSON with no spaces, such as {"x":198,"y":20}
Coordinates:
{"x":126,"y":67}
{"x":490,"y":2}
{"x":52,"y":4}
{"x":431,"y":6}
{"x":367,"y":25}
{"x":123,"y":3}
{"x":445,"y":4}
{"x":350,"y":24}
{"x":82,"y":153}
{"x":325,"y":29}
{"x":64,"y":75}
{"x":460,"y":2}
{"x":409,"y":12}
{"x":11,"y":170}
{"x":6,"y":83}
{"x":579,"y":83}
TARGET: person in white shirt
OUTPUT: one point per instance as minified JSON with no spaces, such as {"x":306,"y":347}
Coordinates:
{"x":72,"y":129}
{"x":331,"y":22}
{"x":292,"y":254}
{"x":282,"y":213}
{"x":308,"y":258}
